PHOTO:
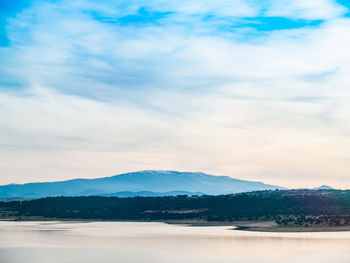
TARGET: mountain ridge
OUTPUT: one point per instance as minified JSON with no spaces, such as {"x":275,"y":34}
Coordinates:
{"x":157,"y":181}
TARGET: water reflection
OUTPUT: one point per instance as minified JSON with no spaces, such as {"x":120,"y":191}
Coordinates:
{"x":157,"y":242}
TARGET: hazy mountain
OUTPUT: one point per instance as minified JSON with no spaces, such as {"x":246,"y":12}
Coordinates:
{"x":150,"y":181}
{"x":148,"y":193}
{"x":323,"y":187}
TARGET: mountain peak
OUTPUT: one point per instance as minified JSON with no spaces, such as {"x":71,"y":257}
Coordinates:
{"x":323,"y":187}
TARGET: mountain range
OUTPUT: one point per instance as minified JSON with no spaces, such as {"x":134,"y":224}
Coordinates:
{"x":142,"y":183}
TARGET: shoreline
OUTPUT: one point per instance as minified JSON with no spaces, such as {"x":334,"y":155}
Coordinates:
{"x":263,"y":226}
{"x":253,"y":226}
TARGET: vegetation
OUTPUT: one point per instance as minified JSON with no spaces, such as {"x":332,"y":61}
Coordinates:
{"x":286,"y":208}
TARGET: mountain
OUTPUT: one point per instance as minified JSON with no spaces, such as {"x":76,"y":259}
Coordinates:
{"x":323,"y":187}
{"x":148,"y":193}
{"x":149,"y":181}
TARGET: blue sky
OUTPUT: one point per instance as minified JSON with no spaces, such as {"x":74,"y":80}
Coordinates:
{"x":252,"y":89}
{"x":138,"y":13}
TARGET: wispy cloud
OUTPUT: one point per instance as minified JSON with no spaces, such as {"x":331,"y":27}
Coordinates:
{"x":92,"y":88}
{"x":306,"y":9}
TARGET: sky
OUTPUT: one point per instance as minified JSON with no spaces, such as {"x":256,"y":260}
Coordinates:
{"x":253,"y":89}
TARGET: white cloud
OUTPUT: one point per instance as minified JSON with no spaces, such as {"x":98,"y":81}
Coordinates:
{"x":305,"y":9}
{"x":237,"y":8}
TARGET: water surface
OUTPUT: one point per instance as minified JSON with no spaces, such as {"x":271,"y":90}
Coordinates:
{"x":126,"y":242}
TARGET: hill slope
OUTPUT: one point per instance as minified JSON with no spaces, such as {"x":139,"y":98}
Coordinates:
{"x":149,"y":181}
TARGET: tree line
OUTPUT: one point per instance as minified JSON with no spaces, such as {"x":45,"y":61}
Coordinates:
{"x":290,"y":207}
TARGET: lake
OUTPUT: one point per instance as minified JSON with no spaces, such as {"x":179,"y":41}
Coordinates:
{"x":131,"y":242}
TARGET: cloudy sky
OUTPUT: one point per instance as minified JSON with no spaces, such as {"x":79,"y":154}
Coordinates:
{"x":257,"y":90}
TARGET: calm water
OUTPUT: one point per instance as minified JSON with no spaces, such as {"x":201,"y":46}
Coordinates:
{"x":51,"y":242}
